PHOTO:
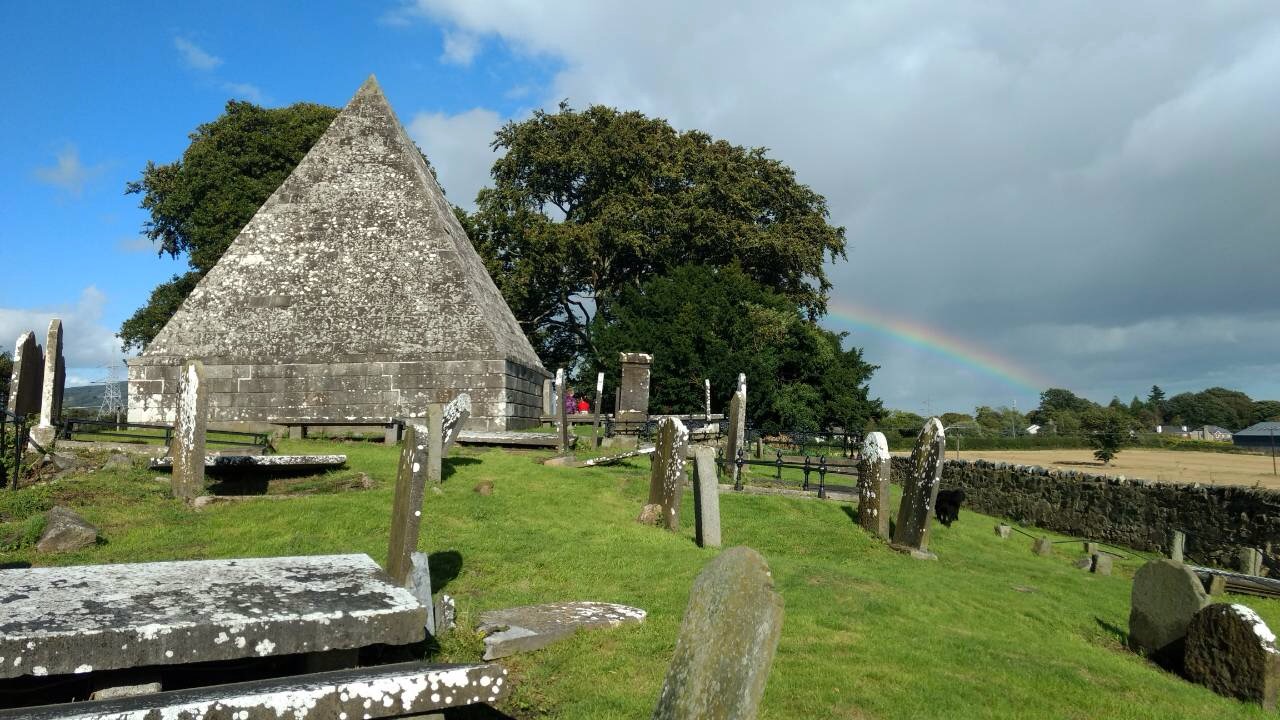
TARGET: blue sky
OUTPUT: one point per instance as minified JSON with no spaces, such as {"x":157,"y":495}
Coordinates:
{"x":1083,"y":191}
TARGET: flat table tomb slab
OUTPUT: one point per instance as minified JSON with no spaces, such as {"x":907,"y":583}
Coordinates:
{"x":266,"y":461}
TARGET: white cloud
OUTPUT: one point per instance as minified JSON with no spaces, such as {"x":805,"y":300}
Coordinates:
{"x":460,"y":48}
{"x":248,"y":91}
{"x":68,"y":172}
{"x":135,"y":244}
{"x":87,"y":343}
{"x":195,"y":56}
{"x":459,"y":149}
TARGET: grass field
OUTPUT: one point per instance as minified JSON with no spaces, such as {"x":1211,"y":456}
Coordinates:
{"x":1164,"y":465}
{"x":988,"y":631}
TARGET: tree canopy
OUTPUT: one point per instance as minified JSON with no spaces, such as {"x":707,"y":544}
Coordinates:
{"x":586,"y":204}
{"x":199,"y":203}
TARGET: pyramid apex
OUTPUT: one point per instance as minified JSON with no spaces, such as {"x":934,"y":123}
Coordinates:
{"x":370,"y":84}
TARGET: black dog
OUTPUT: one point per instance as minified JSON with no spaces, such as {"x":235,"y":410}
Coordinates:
{"x":947,"y":507}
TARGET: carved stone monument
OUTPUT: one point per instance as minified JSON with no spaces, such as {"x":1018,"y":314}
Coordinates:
{"x":633,"y":394}
{"x":726,"y":644}
{"x":352,"y":294}
{"x":737,"y":433}
{"x":666,"y":474}
{"x":189,"y":432}
{"x":706,"y":498}
{"x":1166,"y":595}
{"x":406,"y":505}
{"x":873,"y":485}
{"x":27,"y":377}
{"x":452,"y":419}
{"x":55,"y":375}
{"x":920,"y":489}
{"x":1231,"y":651}
{"x":562,"y":411}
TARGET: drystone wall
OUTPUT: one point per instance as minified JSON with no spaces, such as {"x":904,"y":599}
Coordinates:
{"x":1141,"y":514}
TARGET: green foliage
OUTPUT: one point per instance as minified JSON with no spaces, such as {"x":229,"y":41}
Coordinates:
{"x":1000,"y":421}
{"x":6,"y":371}
{"x":1108,"y":430}
{"x":1230,"y":409}
{"x":1266,"y":410}
{"x":586,"y":204}
{"x":198,"y":204}
{"x":705,"y":322}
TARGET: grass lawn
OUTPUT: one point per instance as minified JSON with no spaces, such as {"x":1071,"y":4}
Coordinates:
{"x":988,"y":631}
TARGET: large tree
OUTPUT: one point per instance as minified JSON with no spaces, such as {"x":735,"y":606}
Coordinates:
{"x":588,"y":203}
{"x":199,"y":203}
{"x":704,"y":322}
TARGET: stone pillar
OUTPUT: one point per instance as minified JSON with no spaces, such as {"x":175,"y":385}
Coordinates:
{"x":452,"y":419}
{"x":562,"y":412}
{"x":51,"y":395}
{"x":737,"y":433}
{"x":706,"y":386}
{"x":920,"y":488}
{"x":434,"y":441}
{"x":633,"y":398}
{"x":27,"y":377}
{"x":706,"y":498}
{"x":873,"y":485}
{"x":726,"y":643}
{"x":599,"y":408}
{"x":1177,"y":545}
{"x":548,"y":397}
{"x":742,"y":382}
{"x":406,"y":507}
{"x":1250,"y":561}
{"x":666,"y":474}
{"x":189,"y":432}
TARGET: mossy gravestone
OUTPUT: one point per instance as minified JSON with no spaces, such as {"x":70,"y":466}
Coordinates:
{"x":189,"y":432}
{"x":666,"y":475}
{"x":1230,"y":650}
{"x":873,"y":485}
{"x":726,"y":643}
{"x":920,"y":488}
{"x":1166,"y":595}
{"x":406,"y":505}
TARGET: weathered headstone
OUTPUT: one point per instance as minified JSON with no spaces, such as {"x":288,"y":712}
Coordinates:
{"x":28,"y":374}
{"x":742,"y":382}
{"x":1004,"y":531}
{"x":51,"y":392}
{"x":419,"y":583}
{"x":562,"y":411}
{"x":599,"y":408}
{"x":920,"y":488}
{"x":548,"y":396}
{"x":452,"y":419}
{"x":706,"y":498}
{"x":706,"y":387}
{"x":189,"y":432}
{"x":406,"y":507}
{"x":532,"y":627}
{"x":1165,"y":596}
{"x":1042,"y":546}
{"x":1101,"y":564}
{"x":666,"y":474}
{"x":873,"y":485}
{"x":1177,"y":545}
{"x":633,"y":393}
{"x":726,"y":644}
{"x":64,"y":531}
{"x":737,"y":434}
{"x":1250,"y":561}
{"x":1230,"y":650}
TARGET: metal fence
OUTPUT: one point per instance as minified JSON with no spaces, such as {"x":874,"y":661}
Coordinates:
{"x":125,"y":430}
{"x":831,"y":443}
{"x":813,"y":472}
{"x":20,"y":438}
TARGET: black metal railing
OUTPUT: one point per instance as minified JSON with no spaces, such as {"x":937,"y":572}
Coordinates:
{"x":831,"y":443}
{"x":112,"y":429}
{"x":21,"y":435}
{"x":813,"y":470}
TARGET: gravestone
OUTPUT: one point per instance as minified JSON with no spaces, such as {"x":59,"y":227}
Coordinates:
{"x":27,"y":377}
{"x":920,"y":488}
{"x":452,"y":419}
{"x":1177,"y":545}
{"x":737,"y":433}
{"x":1250,"y":561}
{"x":706,"y":498}
{"x":1003,"y":531}
{"x":742,"y":382}
{"x":726,"y":643}
{"x":1166,"y":595}
{"x":419,"y":583}
{"x":706,"y":387}
{"x":51,"y":395}
{"x":548,"y":396}
{"x":599,"y":408}
{"x":533,"y":627}
{"x":666,"y":473}
{"x":874,"y":467}
{"x":1231,"y":651}
{"x":64,"y":531}
{"x":189,"y":432}
{"x":562,"y":411}
{"x":1042,"y":546}
{"x":406,"y":506}
{"x":1101,"y":564}
{"x":633,"y":393}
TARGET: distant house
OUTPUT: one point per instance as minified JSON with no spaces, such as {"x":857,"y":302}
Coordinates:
{"x":1213,"y":433}
{"x":1173,"y":430}
{"x":1033,"y":430}
{"x":1257,"y":436}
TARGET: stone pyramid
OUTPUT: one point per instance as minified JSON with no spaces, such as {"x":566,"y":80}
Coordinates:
{"x":352,"y":295}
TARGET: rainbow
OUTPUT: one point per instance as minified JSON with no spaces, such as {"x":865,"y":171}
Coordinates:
{"x":939,"y":343}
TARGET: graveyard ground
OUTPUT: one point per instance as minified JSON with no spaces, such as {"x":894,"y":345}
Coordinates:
{"x":988,"y":631}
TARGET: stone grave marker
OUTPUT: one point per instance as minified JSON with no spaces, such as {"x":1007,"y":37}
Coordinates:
{"x":1177,"y":545}
{"x":1003,"y":531}
{"x":452,"y":419}
{"x":419,"y":583}
{"x":28,"y":373}
{"x":189,"y":432}
{"x":548,"y":396}
{"x":726,"y":643}
{"x":706,"y":498}
{"x":562,"y":412}
{"x":1101,"y":564}
{"x":920,"y":488}
{"x":633,"y":394}
{"x":532,"y":627}
{"x":1166,"y":595}
{"x":666,"y":474}
{"x":51,"y":395}
{"x":873,"y":485}
{"x":406,"y":507}
{"x":706,"y":387}
{"x":1042,"y":546}
{"x":599,"y":410}
{"x":1230,"y":650}
{"x":1250,"y":561}
{"x":737,"y":433}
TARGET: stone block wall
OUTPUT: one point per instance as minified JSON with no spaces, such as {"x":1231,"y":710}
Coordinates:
{"x":1140,"y":514}
{"x":505,"y":395}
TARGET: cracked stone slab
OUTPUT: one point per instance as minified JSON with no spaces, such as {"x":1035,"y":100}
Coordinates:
{"x":56,"y":621}
{"x":230,"y":461}
{"x":532,"y":627}
{"x":378,"y":692}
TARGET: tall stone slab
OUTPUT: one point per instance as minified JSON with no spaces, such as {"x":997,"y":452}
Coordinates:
{"x":27,"y":378}
{"x":353,"y":294}
{"x":920,"y":488}
{"x":548,"y":396}
{"x":633,"y":393}
{"x":726,"y":644}
{"x":599,"y":408}
{"x":737,"y":433}
{"x":666,"y":473}
{"x":452,"y":419}
{"x":406,"y":505}
{"x":873,"y":485}
{"x":1230,"y":650}
{"x":706,"y":393}
{"x":562,"y":411}
{"x":706,"y":498}
{"x":51,"y":395}
{"x":189,"y":432}
{"x":1166,"y":595}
